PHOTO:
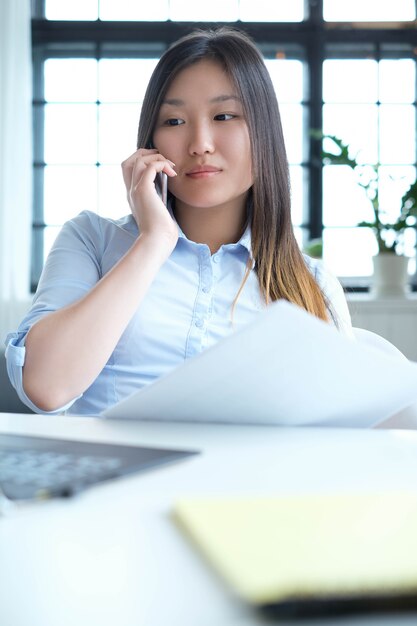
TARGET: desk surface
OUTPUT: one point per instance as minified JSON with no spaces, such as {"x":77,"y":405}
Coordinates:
{"x":112,"y":555}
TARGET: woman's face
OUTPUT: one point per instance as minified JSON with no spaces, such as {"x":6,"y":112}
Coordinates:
{"x":202,"y":129}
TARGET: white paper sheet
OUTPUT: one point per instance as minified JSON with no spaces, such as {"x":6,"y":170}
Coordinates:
{"x":287,"y":368}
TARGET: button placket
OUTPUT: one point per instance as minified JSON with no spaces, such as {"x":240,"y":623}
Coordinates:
{"x":202,"y":307}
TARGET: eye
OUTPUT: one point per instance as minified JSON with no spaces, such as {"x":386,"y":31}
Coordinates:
{"x":174,"y":121}
{"x":224,"y":117}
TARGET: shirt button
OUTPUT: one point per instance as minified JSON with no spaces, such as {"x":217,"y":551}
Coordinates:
{"x":199,"y":323}
{"x":216,"y":258}
{"x":206,"y":289}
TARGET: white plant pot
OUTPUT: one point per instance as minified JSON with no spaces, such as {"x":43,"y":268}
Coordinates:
{"x":390,"y":278}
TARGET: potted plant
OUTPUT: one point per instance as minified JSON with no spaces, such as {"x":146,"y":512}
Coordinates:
{"x":390,"y":265}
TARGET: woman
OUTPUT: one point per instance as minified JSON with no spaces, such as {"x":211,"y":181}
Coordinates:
{"x":122,"y":302}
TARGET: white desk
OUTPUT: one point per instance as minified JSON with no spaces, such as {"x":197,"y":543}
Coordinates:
{"x":113,"y":555}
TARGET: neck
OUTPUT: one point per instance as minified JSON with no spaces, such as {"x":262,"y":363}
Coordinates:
{"x":214,"y":226}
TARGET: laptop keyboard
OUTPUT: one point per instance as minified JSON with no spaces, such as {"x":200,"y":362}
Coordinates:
{"x":52,"y":471}
{"x":35,"y":467}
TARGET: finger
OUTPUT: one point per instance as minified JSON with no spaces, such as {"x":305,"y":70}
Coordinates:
{"x":144,"y":175}
{"x":149,"y":158}
{"x":127,"y":164}
{"x":155,"y":164}
{"x":143,"y":178}
{"x":141,"y":152}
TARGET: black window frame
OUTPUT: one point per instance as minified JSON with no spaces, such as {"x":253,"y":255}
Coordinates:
{"x":314,"y":35}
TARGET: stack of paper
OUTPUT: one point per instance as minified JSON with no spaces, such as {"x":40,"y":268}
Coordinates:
{"x":287,"y":368}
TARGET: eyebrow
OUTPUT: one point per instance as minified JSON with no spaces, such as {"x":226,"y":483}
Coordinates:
{"x":176,"y":102}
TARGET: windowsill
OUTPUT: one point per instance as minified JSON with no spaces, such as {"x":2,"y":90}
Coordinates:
{"x":353,"y":285}
{"x":394,"y":303}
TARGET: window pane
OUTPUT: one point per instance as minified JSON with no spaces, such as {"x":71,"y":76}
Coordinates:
{"x":398,"y":139}
{"x":127,"y":10}
{"x":213,"y":11}
{"x":74,"y":10}
{"x":349,"y":251}
{"x":397,"y":80}
{"x":287,"y":77}
{"x":267,"y":11}
{"x":71,"y":133}
{"x":112,"y":200}
{"x":393,"y":183}
{"x":368,"y":10}
{"x":300,"y":236}
{"x":292,"y":123}
{"x":357,"y":125}
{"x":350,"y":80}
{"x":68,"y":191}
{"x":344,"y":201}
{"x":297,"y":175}
{"x":70,"y":80}
{"x":124,"y":80}
{"x":346,"y":204}
{"x":117,"y":132}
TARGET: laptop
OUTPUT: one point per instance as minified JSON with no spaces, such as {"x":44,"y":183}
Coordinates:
{"x":38,"y":467}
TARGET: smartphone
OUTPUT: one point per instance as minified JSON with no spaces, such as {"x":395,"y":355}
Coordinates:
{"x":161,"y":184}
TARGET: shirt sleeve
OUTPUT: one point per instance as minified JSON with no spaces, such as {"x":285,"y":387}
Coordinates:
{"x":72,"y":268}
{"x":334,"y":296}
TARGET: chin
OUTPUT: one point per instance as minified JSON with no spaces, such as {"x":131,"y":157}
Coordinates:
{"x":201,"y":201}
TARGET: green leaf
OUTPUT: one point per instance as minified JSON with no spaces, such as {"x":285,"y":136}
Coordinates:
{"x":340,"y":158}
{"x":409,"y":199}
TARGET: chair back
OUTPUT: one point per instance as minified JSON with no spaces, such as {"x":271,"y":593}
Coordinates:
{"x":373,"y":340}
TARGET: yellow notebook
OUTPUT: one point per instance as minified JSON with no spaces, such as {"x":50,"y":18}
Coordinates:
{"x":311,"y":554}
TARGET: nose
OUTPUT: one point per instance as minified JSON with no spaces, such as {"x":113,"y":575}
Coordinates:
{"x":201,"y":140}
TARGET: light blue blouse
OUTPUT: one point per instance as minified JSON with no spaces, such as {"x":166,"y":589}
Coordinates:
{"x":188,"y":307}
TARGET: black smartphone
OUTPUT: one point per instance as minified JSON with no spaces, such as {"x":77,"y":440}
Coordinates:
{"x":161,"y":184}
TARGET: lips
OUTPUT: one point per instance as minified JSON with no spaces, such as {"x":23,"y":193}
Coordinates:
{"x":203,"y":171}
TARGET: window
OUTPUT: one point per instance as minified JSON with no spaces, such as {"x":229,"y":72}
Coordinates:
{"x":370,"y":104}
{"x":359,"y":84}
{"x":369,"y":10}
{"x":177,"y":10}
{"x":91,"y":115}
{"x":288,"y":79}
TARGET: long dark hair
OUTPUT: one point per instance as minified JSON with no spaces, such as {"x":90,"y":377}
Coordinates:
{"x":280,"y":266}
